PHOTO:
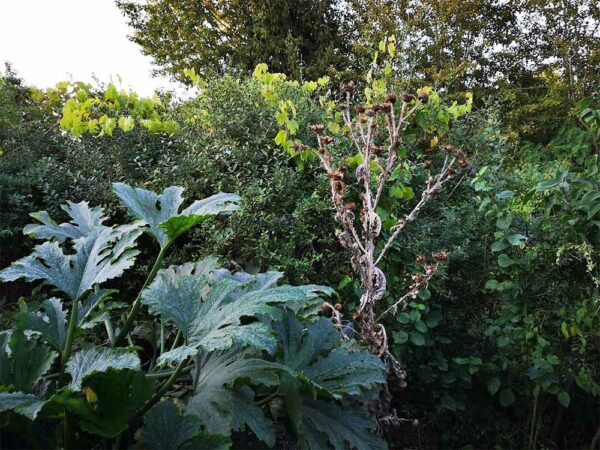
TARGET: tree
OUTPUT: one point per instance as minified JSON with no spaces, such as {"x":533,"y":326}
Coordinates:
{"x":299,"y":38}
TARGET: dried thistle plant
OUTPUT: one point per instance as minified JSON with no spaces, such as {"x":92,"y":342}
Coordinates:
{"x":377,"y":132}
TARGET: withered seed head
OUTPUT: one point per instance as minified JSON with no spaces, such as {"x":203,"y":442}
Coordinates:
{"x":390,"y":97}
{"x":370,"y":112}
{"x":377,"y":327}
{"x":348,"y":87}
{"x":376,"y":150}
{"x":451,"y":171}
{"x":407,"y":98}
{"x":440,"y":256}
{"x":427,"y":164}
{"x":360,"y":109}
{"x":422,"y":96}
{"x":386,"y":107}
{"x":338,"y":307}
{"x":327,"y":140}
{"x":448,"y":148}
{"x":362,"y":119}
{"x":421,"y":259}
{"x":463,"y":163}
{"x":325,"y":307}
{"x":317,"y":128}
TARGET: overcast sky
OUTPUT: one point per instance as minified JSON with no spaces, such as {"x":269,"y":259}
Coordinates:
{"x":48,"y":41}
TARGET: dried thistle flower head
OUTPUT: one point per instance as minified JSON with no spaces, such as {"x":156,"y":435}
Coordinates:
{"x":326,"y":140}
{"x":451,"y":171}
{"x":421,"y":259}
{"x":348,"y":87}
{"x":440,"y":256}
{"x":447,"y":148}
{"x":390,"y":97}
{"x":427,"y":164}
{"x":386,"y":107}
{"x":370,"y":112}
{"x":317,"y":128}
{"x":360,"y":109}
{"x":423,"y":96}
{"x":407,"y":98}
{"x":463,"y":163}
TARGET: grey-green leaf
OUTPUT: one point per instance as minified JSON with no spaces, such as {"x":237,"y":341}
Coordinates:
{"x":325,"y":423}
{"x":51,"y":324}
{"x":214,"y":399}
{"x":83,"y":220}
{"x":165,"y":427}
{"x":101,"y":255}
{"x":27,"y":405}
{"x":99,"y":359}
{"x":157,"y":210}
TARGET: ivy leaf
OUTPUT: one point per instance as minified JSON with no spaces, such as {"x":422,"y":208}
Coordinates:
{"x":117,"y":396}
{"x":103,"y":254}
{"x":99,"y":359}
{"x":27,"y":405}
{"x":165,"y":427}
{"x":209,"y":313}
{"x":51,"y":324}
{"x":161,"y":211}
{"x":218,"y":405}
{"x":22,"y":362}
{"x":83,"y":220}
{"x":327,"y":423}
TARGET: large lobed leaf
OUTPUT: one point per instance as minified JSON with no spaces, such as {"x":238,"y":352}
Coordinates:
{"x":101,"y":255}
{"x":99,"y":359}
{"x":220,"y":407}
{"x":51,"y":324}
{"x":161,"y":211}
{"x":83,"y":220}
{"x":209,"y":311}
{"x":165,"y":428}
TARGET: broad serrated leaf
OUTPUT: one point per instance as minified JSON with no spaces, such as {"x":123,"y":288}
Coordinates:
{"x":83,"y":220}
{"x":27,"y":405}
{"x":165,"y":427}
{"x":161,"y":211}
{"x":214,"y":400}
{"x":117,"y":396}
{"x":176,"y":355}
{"x":328,"y":424}
{"x":23,"y":362}
{"x":51,"y":324}
{"x":99,"y":359}
{"x":209,"y":312}
{"x":90,"y":304}
{"x":101,"y":255}
{"x":313,"y":352}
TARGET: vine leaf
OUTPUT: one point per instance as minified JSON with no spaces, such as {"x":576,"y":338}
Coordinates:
{"x":83,"y":220}
{"x":99,"y":359}
{"x":219,"y":406}
{"x":165,"y":427}
{"x":50,"y":324}
{"x":161,"y":211}
{"x":103,"y":254}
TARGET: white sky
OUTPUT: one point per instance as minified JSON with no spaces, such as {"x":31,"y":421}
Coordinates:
{"x":48,"y":41}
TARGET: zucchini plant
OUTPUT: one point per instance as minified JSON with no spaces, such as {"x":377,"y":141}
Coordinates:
{"x":240,"y":358}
